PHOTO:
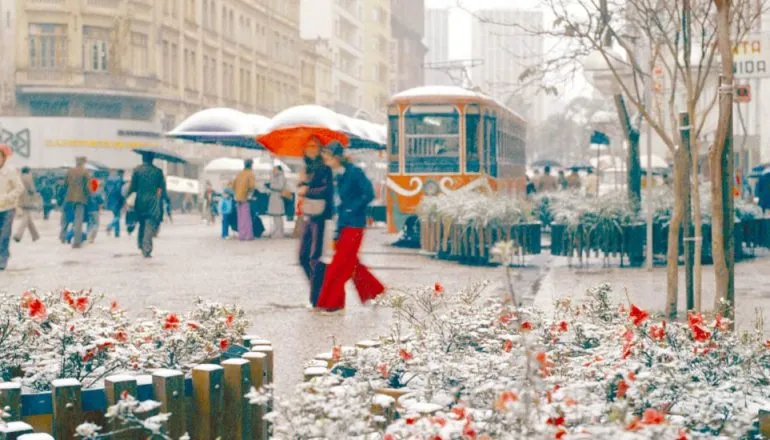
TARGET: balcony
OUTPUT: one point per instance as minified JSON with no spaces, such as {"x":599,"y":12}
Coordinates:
{"x":103,"y":80}
{"x":28,"y":77}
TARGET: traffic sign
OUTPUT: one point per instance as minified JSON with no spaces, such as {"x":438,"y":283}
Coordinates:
{"x":743,"y":93}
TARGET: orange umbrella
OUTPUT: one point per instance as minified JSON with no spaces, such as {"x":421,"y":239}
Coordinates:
{"x":289,"y":131}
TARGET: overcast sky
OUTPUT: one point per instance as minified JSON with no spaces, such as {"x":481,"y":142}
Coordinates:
{"x":460,"y":28}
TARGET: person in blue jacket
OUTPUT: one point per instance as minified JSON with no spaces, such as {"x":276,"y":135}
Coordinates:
{"x":225,"y":209}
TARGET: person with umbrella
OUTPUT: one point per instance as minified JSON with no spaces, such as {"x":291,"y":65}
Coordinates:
{"x":355,"y":192}
{"x":149,"y":186}
{"x":11,"y":189}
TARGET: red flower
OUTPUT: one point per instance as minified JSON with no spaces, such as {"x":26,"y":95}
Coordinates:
{"x":440,"y":421}
{"x":505,"y":398}
{"x":526,"y":326}
{"x":438,"y":289}
{"x":336,"y":353}
{"x":105,"y":346}
{"x":506,"y":318}
{"x":121,"y":336}
{"x":622,"y":389}
{"x":405,"y":355}
{"x":555,"y":421}
{"x":560,"y":433}
{"x":192,"y":325}
{"x":224,"y":344}
{"x":682,"y":435}
{"x":635,"y":425}
{"x":88,"y":356}
{"x":721,"y":323}
{"x":622,"y":309}
{"x":628,"y":335}
{"x":627,"y":349}
{"x":767,"y":343}
{"x":637,"y":315}
{"x":657,"y":333}
{"x":507,"y":345}
{"x":388,"y":437}
{"x":383,"y":370}
{"x":563,"y":326}
{"x":172,"y":322}
{"x":114,"y":307}
{"x":694,"y":319}
{"x":229,"y":320}
{"x":699,"y":334}
{"x":459,"y":412}
{"x":411,"y":420}
{"x":631,"y":376}
{"x":37,"y":309}
{"x":81,"y":304}
{"x":68,"y":298}
{"x":652,"y":416}
{"x":469,"y":431}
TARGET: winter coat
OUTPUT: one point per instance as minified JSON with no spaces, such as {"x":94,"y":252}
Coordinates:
{"x":150,"y":187}
{"x":225,"y":206}
{"x":547,"y":183}
{"x":77,"y":186}
{"x":763,"y":191}
{"x":28,"y":198}
{"x":320,"y":186}
{"x":114,"y":190}
{"x":275,"y":206}
{"x":355,"y":193}
{"x":11,"y":188}
{"x":244,"y":185}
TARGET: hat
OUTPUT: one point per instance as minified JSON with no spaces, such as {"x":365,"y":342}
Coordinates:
{"x":335,"y":149}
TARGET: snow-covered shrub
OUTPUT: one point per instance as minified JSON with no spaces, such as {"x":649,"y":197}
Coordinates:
{"x":70,"y":334}
{"x":480,"y":369}
{"x":130,"y":416}
{"x":475,"y":209}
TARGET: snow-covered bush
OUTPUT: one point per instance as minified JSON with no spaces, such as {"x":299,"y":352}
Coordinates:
{"x":70,"y":334}
{"x":480,"y":369}
{"x":130,"y":416}
{"x":475,"y":209}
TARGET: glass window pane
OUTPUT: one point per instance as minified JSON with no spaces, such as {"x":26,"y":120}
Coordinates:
{"x":472,"y":158}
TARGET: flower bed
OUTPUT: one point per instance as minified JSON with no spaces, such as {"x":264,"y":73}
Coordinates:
{"x":475,"y":369}
{"x":74,"y":335}
{"x":465,"y":226}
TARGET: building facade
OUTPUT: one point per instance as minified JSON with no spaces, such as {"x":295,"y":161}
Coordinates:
{"x":340,"y":23}
{"x":408,"y":49}
{"x":507,"y":52}
{"x":437,"y":41}
{"x":377,"y":40}
{"x":135,"y":69}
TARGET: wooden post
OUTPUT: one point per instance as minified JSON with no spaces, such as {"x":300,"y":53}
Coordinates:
{"x":208,"y":402}
{"x":114,"y":389}
{"x":168,"y":389}
{"x":14,"y":430}
{"x":67,"y":407}
{"x":254,"y":340}
{"x":237,"y":385}
{"x":268,"y":350}
{"x":10,"y":400}
{"x":258,"y":371}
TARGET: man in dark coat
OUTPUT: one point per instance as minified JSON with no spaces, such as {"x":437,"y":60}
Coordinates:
{"x":149,"y":184}
{"x":75,"y":201}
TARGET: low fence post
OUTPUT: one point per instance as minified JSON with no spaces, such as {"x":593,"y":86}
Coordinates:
{"x":237,"y":384}
{"x":115,"y":387}
{"x":258,"y":365}
{"x":67,"y":407}
{"x":10,"y":400}
{"x":14,"y":430}
{"x":168,"y":389}
{"x":208,"y":402}
{"x":268,"y":351}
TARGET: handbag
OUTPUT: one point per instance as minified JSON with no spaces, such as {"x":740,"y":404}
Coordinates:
{"x":313,"y":207}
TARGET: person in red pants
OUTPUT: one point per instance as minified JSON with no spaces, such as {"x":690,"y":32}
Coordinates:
{"x":355,"y":192}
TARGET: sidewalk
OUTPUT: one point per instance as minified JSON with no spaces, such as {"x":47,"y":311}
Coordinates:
{"x":647,"y":289}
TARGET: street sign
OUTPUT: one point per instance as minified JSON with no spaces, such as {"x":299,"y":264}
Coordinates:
{"x":751,"y":57}
{"x":600,"y":138}
{"x":743,"y":93}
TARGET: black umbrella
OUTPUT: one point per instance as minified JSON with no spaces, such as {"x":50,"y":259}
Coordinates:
{"x":161,"y":154}
{"x":546,"y":163}
{"x":580,"y":166}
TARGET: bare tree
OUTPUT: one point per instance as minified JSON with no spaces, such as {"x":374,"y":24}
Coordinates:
{"x":668,"y":47}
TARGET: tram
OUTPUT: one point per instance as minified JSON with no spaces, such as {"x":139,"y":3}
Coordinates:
{"x":443,"y":139}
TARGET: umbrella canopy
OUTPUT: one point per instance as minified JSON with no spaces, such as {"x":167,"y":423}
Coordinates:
{"x":759,"y":170}
{"x":580,"y":166}
{"x":289,"y":131}
{"x":546,"y":163}
{"x":223,"y":126}
{"x":161,"y":154}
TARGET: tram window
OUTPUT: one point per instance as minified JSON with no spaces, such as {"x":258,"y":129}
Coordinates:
{"x":432,"y":139}
{"x":393,"y":159}
{"x":490,"y":138}
{"x":472,"y":158}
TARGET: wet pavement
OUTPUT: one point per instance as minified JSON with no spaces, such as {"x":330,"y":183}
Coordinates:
{"x":263,"y":276}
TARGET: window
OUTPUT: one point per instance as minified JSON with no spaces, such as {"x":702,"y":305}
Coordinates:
{"x":96,"y":48}
{"x":490,"y":140}
{"x":472,"y":126}
{"x":142,"y":112}
{"x":47,"y":46}
{"x":102,"y":109}
{"x":49,"y":107}
{"x":206,"y":77}
{"x":166,"y":73}
{"x":174,"y":65}
{"x":140,"y":53}
{"x":432,"y":139}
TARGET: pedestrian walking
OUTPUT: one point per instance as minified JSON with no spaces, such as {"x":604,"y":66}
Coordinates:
{"x":207,"y":204}
{"x":573,"y":180}
{"x":355,"y":192}
{"x":316,"y":193}
{"x":47,"y":194}
{"x":113,"y":189}
{"x":11,"y":189}
{"x":531,"y":189}
{"x":93,"y":210}
{"x":225,"y":209}
{"x":243,"y":187}
{"x":27,"y":205}
{"x":276,"y":207}
{"x":75,"y":201}
{"x":592,"y":184}
{"x":546,"y":182}
{"x":149,"y":185}
{"x":563,"y":184}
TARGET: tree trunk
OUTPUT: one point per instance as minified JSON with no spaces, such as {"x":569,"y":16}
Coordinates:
{"x":684,"y":128}
{"x":672,"y":265}
{"x":697,"y":220}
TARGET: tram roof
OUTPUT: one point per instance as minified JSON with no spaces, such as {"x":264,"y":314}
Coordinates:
{"x":430,"y":93}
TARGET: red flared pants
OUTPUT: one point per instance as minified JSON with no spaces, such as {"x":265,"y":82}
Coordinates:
{"x":345,"y":266}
